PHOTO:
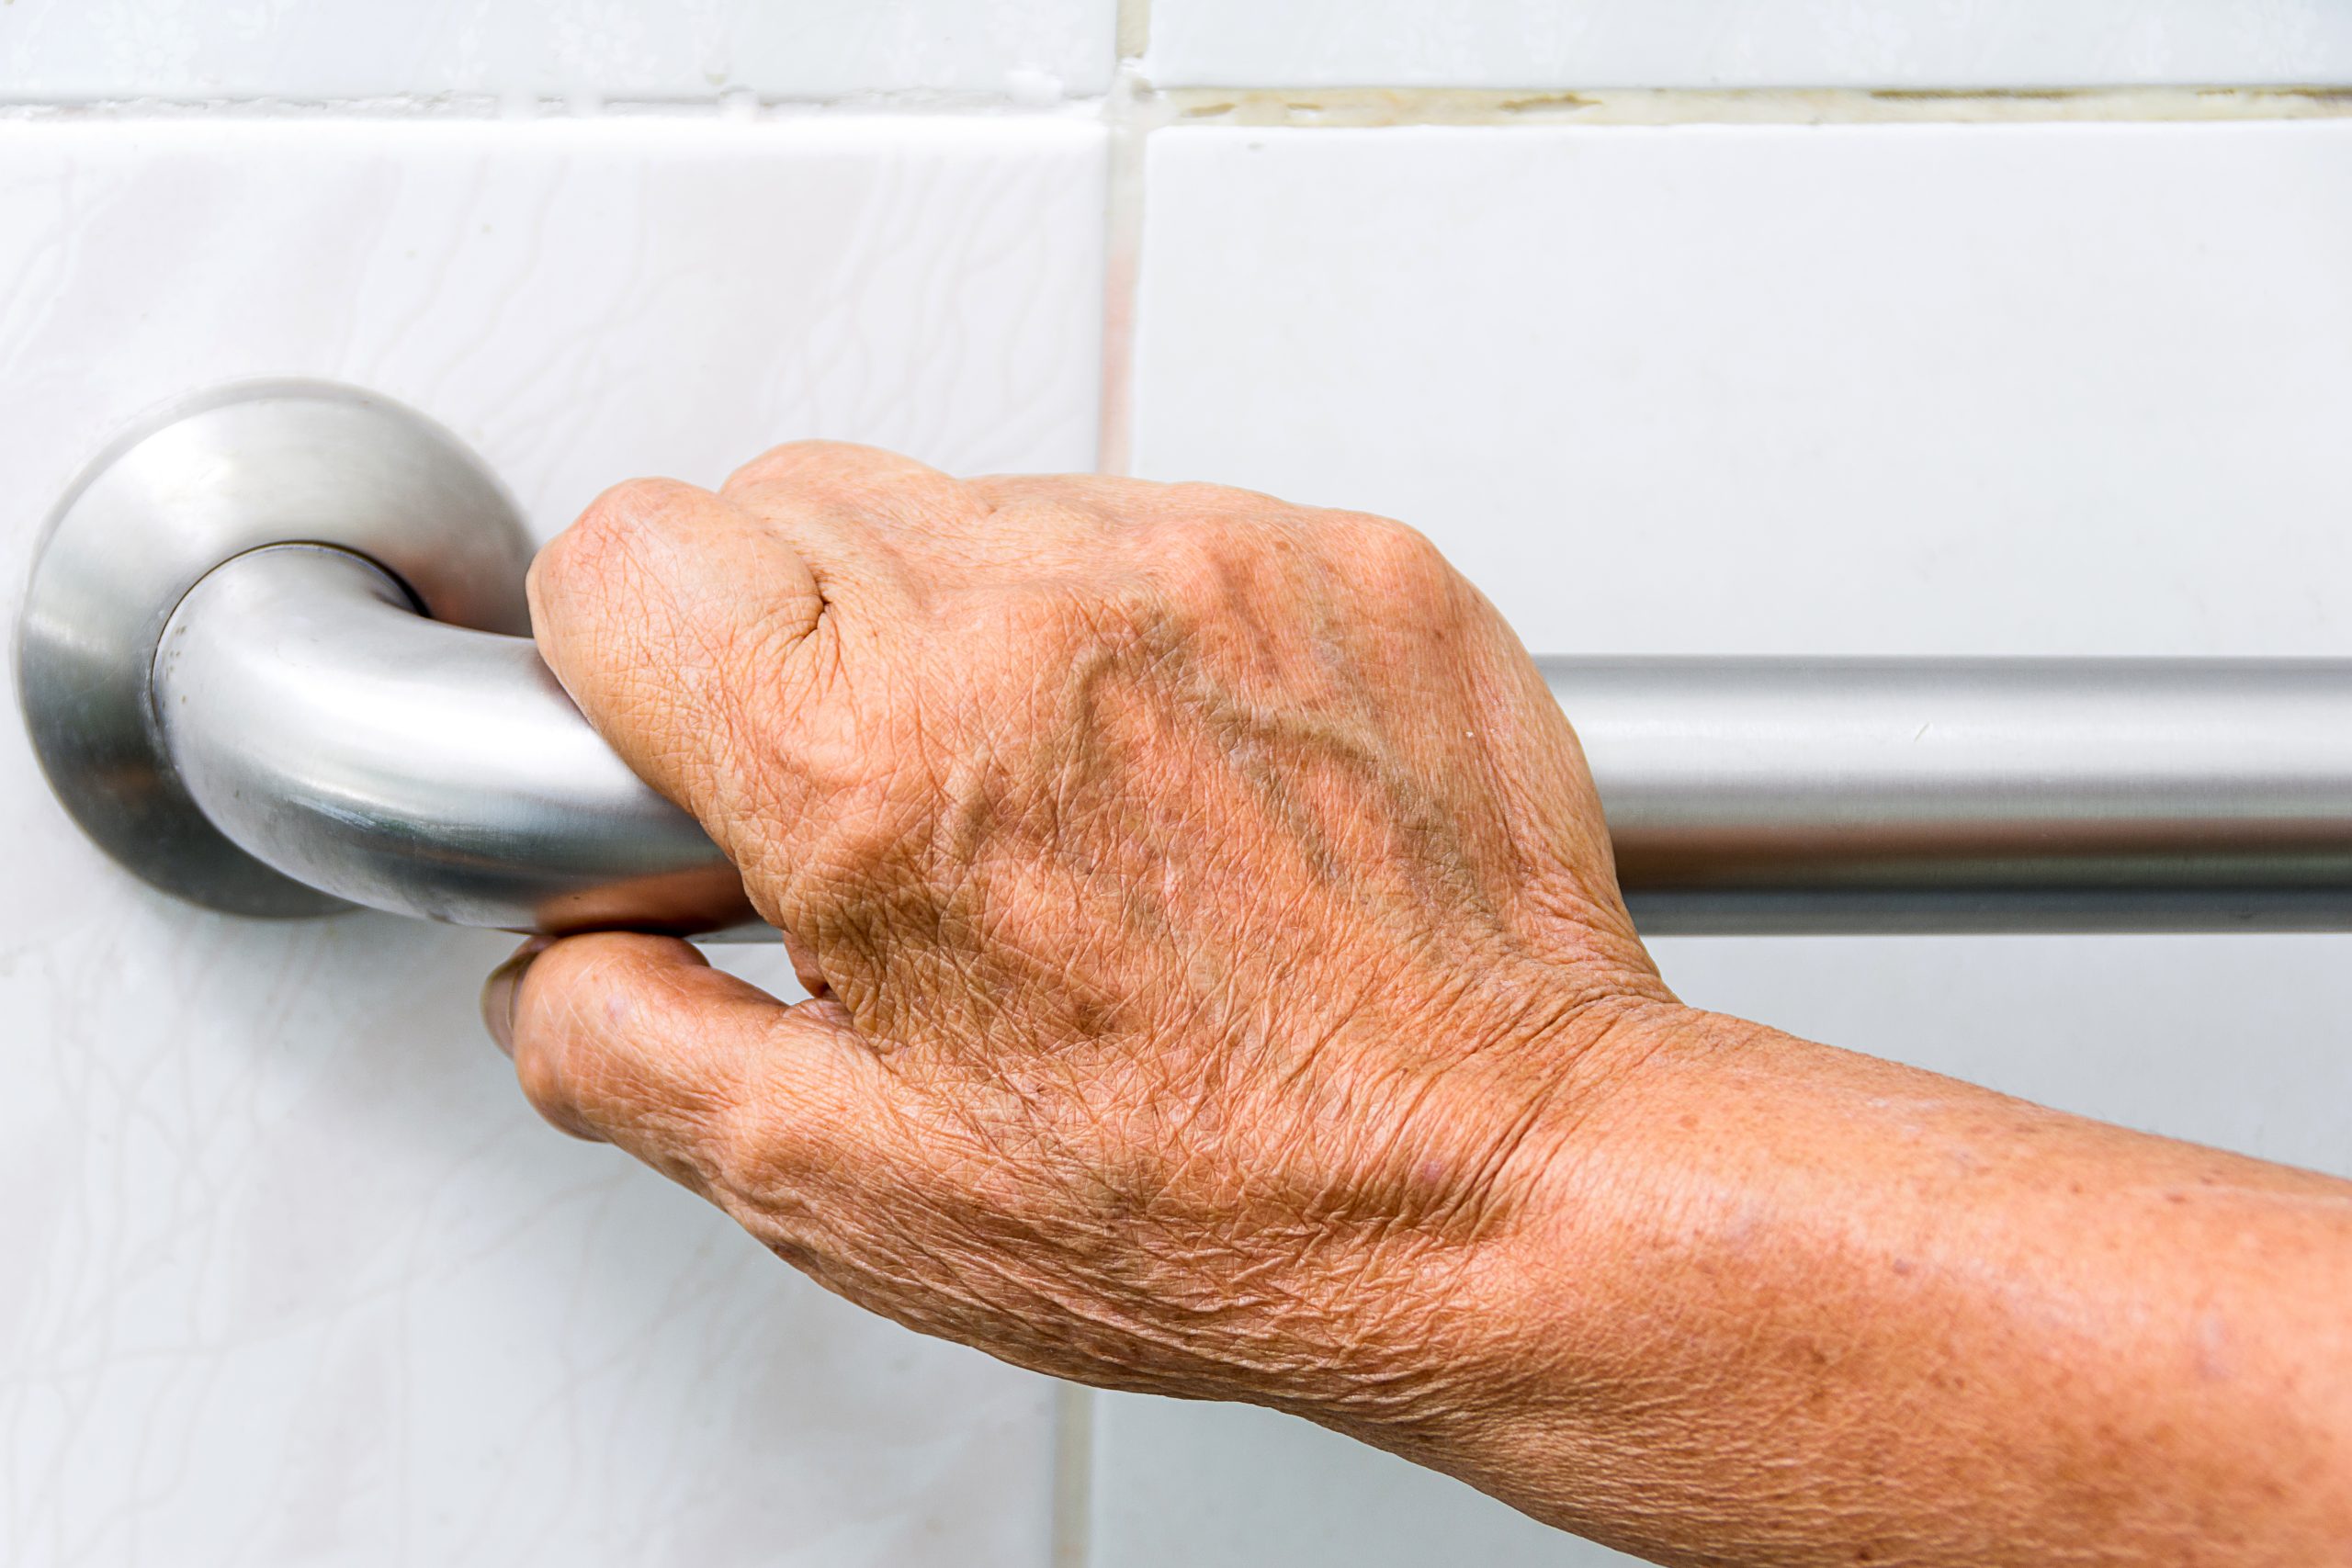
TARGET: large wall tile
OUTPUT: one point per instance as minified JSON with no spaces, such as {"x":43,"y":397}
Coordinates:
{"x":1288,"y":1494}
{"x":616,"y":49}
{"x":1745,"y":43}
{"x":293,"y":1273}
{"x":1853,"y":389}
{"x":1908,"y":390}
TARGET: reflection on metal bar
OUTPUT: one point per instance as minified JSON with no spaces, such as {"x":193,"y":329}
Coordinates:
{"x":332,"y":733}
{"x":228,"y":680}
{"x":1881,"y":794}
{"x":329,"y":730}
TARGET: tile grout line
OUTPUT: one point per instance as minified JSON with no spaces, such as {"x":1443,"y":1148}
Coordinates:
{"x":477,"y":108}
{"x":1132,"y":104}
{"x":1127,"y":127}
{"x":1130,"y":126}
{"x":1070,"y":1530}
{"x":1372,"y":107}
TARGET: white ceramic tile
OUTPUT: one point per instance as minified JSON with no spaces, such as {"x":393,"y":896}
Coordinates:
{"x":1851,"y":388}
{"x":1182,"y":1485}
{"x":1745,"y":43}
{"x":294,"y":1275}
{"x":1914,"y":389}
{"x":2241,"y":1042}
{"x":615,"y":49}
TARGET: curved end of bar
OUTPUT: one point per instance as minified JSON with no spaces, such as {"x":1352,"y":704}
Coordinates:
{"x":196,"y":483}
{"x":331,"y":732}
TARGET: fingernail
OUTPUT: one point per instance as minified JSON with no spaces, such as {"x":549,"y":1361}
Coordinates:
{"x":498,"y":992}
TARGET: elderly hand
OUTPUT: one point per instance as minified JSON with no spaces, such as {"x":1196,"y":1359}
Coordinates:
{"x":1210,"y":916}
{"x":1221,"y":989}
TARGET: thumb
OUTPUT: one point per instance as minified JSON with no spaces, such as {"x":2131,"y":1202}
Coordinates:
{"x":635,"y":1041}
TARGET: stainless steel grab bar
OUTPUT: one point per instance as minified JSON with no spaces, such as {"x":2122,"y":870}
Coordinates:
{"x":1881,"y":794}
{"x":231,"y":684}
{"x":332,"y":733}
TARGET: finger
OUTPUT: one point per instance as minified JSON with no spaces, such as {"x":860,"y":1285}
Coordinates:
{"x":940,"y":530}
{"x":635,"y":1041}
{"x":666,"y":611}
{"x":847,"y":509}
{"x":884,"y":490}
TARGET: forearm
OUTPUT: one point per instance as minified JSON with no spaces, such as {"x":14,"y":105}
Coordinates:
{"x":1774,"y":1303}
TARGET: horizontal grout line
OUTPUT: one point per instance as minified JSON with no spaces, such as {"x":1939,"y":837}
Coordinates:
{"x":737,"y":106}
{"x":1380,"y":106}
{"x":1135,"y":105}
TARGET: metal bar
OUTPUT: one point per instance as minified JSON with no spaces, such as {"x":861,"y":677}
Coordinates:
{"x":1869,"y":795}
{"x":329,"y":730}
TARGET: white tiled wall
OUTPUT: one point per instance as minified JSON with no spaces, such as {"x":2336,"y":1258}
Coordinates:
{"x":295,"y":1277}
{"x":1911,"y":389}
{"x":611,"y":49}
{"x":1748,"y":43}
{"x":1918,"y":388}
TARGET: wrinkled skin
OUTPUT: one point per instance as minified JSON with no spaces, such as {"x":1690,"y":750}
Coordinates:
{"x":1210,"y":909}
{"x":1221,"y":989}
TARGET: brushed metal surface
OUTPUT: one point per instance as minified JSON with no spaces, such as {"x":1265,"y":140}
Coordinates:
{"x":1862,"y":795}
{"x":356,"y":717}
{"x":230,"y":469}
{"x":332,"y":733}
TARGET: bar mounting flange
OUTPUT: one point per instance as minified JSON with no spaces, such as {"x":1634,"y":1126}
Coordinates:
{"x":200,"y":481}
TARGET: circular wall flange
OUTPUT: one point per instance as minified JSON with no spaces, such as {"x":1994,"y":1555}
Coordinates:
{"x":212,"y":476}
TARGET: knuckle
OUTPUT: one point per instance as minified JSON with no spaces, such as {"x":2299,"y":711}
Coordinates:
{"x":1392,"y":561}
{"x":784,"y":463}
{"x":1120,"y":615}
{"x":632,"y":507}
{"x":814,"y":466}
{"x":1197,"y":500}
{"x":609,"y":536}
{"x":1200,"y":564}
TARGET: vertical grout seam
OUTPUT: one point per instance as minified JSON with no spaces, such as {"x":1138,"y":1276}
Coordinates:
{"x":1072,"y":1523}
{"x":1129,"y":126}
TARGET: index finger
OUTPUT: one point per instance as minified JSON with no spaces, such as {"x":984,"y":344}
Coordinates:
{"x":672,"y":615}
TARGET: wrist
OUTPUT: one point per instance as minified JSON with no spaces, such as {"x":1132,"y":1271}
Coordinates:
{"x":1495,"y":1302}
{"x":1542,"y":1357}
